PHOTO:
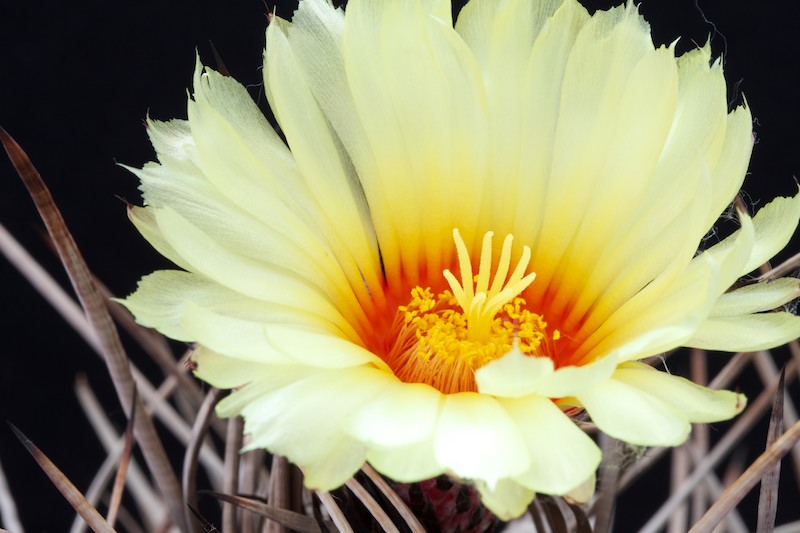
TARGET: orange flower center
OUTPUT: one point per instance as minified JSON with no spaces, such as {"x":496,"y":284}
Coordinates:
{"x":442,"y":339}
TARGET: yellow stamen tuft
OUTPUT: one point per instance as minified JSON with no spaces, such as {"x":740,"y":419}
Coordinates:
{"x":441,"y":340}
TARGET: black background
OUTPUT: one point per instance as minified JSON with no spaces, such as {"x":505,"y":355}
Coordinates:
{"x":76,"y":82}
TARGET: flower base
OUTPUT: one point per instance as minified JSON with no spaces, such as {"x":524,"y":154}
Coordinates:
{"x":446,"y":506}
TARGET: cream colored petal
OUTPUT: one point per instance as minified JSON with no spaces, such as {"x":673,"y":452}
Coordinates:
{"x":245,"y":160}
{"x":240,"y":153}
{"x":773,"y":225}
{"x":700,"y":136}
{"x":317,"y":344}
{"x":252,"y":382}
{"x":569,"y":380}
{"x":325,"y":166}
{"x":404,"y":414}
{"x":182,"y":187}
{"x":300,"y":422}
{"x":172,"y":138}
{"x":562,"y":456}
{"x":728,"y":173}
{"x":679,"y":305}
{"x":636,"y":128}
{"x":540,"y":84}
{"x":315,"y":36}
{"x":762,"y":296}
{"x":241,"y":274}
{"x":605,"y":61}
{"x":492,"y":29}
{"x":670,"y":315}
{"x":696,"y":403}
{"x":507,"y":499}
{"x":339,"y":461}
{"x":419,"y":96}
{"x":734,"y":253}
{"x":158,"y":301}
{"x":319,"y":348}
{"x":476,"y":439}
{"x":226,"y":372}
{"x":513,"y":375}
{"x":746,"y":333}
{"x":627,"y":413}
{"x":144,"y":219}
{"x":407,"y":463}
{"x":501,"y":36}
{"x":675,"y":213}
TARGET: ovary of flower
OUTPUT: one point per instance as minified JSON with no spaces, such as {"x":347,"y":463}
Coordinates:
{"x":482,"y":303}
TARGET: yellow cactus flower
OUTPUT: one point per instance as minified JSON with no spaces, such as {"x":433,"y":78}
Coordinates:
{"x":469,"y":233}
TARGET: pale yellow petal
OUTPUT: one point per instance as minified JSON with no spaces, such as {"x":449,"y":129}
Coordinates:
{"x":731,"y":167}
{"x":775,"y":223}
{"x":477,"y":439}
{"x":172,"y":138}
{"x":758,"y":297}
{"x":501,"y":36}
{"x":773,"y":226}
{"x":636,"y":129}
{"x":673,"y":317}
{"x":239,"y":273}
{"x":240,"y":153}
{"x":696,"y":403}
{"x":562,"y":456}
{"x":538,"y":117}
{"x":513,"y":375}
{"x":315,"y":36}
{"x":627,"y":413}
{"x":406,"y":463}
{"x":746,"y":333}
{"x":507,"y":499}
{"x":181,"y":186}
{"x":419,"y":96}
{"x":568,"y":380}
{"x":404,"y":414}
{"x":144,"y":220}
{"x":601,"y":64}
{"x":318,"y":343}
{"x":252,"y":382}
{"x":293,"y":422}
{"x":324,"y":164}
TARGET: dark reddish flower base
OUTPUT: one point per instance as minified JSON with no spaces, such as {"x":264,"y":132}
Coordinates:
{"x":445,"y":506}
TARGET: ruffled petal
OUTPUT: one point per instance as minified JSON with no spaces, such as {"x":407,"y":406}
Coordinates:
{"x":404,"y":414}
{"x":407,"y":463}
{"x":317,"y":442}
{"x":562,"y":456}
{"x":476,"y":438}
{"x":513,"y":375}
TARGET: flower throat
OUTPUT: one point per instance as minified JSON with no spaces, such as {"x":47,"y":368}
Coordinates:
{"x":441,"y":339}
